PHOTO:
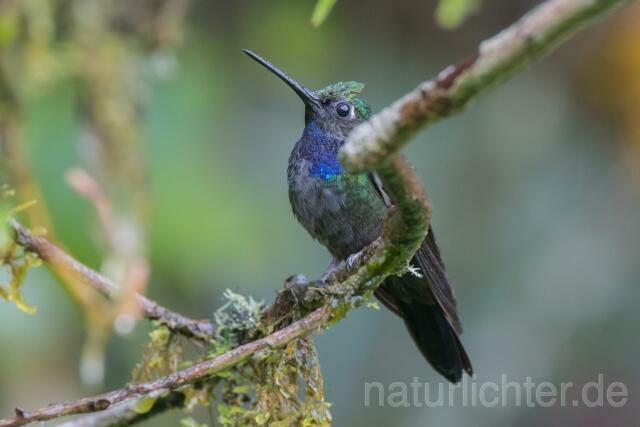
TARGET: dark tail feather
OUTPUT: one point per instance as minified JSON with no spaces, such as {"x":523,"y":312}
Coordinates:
{"x":436,"y":339}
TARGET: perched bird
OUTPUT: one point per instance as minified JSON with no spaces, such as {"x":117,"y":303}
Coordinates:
{"x":345,"y":212}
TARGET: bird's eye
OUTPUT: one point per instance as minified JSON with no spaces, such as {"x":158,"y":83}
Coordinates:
{"x":343,"y":110}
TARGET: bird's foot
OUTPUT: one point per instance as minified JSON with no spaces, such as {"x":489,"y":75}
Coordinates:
{"x":352,"y":260}
{"x":333,"y":266}
{"x":297,"y":286}
{"x":301,"y":289}
{"x":289,"y":300}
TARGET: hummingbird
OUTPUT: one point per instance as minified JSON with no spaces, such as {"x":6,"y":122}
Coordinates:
{"x":345,"y":213}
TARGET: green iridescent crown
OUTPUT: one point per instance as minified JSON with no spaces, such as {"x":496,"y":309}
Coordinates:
{"x":348,"y":91}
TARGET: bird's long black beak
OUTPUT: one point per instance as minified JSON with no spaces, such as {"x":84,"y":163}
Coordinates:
{"x":309,"y":98}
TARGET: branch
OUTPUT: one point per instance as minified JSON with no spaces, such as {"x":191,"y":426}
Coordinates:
{"x":497,"y":59}
{"x":404,"y":230}
{"x":197,"y":372}
{"x":372,"y":146}
{"x":126,"y":413}
{"x":71,"y":268}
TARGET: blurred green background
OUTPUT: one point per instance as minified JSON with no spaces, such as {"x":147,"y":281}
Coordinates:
{"x":535,"y":192}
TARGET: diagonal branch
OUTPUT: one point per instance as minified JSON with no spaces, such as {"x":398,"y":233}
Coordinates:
{"x":197,"y":372}
{"x":127,"y":414}
{"x":71,"y":268}
{"x":497,"y":59}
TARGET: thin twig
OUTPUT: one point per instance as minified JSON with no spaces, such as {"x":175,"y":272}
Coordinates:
{"x":497,"y":59}
{"x":126,"y":414}
{"x":201,"y":330}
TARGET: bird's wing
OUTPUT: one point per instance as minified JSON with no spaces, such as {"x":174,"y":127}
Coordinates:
{"x":431,"y":267}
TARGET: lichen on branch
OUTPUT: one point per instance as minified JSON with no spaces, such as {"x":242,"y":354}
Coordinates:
{"x":497,"y":59}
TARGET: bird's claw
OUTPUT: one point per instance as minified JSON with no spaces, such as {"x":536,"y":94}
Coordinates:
{"x":324,"y":280}
{"x":299,"y":287}
{"x":332,"y":268}
{"x":352,"y":260}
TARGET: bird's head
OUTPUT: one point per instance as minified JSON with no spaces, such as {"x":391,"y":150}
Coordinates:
{"x":335,"y":109}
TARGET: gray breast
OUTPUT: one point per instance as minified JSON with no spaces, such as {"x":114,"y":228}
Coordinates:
{"x":344,"y":214}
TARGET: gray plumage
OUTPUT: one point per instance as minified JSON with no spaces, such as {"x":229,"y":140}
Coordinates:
{"x":346,"y":212}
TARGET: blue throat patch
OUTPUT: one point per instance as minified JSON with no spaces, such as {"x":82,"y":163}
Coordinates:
{"x":326,"y":171}
{"x":322,"y":151}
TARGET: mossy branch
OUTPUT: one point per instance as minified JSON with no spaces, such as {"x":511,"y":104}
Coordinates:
{"x":497,"y":59}
{"x":197,"y":372}
{"x":372,"y":146}
{"x":405,"y":228}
